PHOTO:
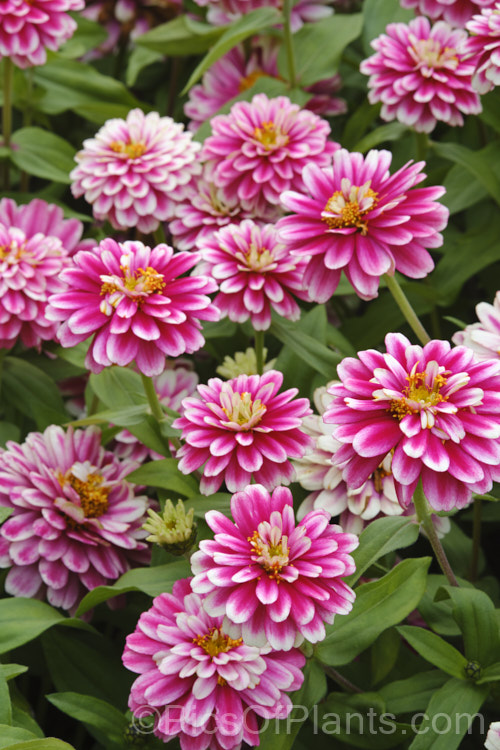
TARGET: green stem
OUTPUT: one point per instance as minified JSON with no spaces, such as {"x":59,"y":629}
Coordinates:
{"x":424,"y":517}
{"x":259,"y":351}
{"x":159,"y":235}
{"x":476,"y":540}
{"x":287,"y":33}
{"x":8,"y":77}
{"x":340,"y":679}
{"x":404,"y":305}
{"x":153,"y":400}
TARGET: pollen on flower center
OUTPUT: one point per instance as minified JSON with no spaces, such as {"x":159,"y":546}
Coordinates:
{"x":430,"y":53}
{"x":270,"y":549}
{"x":348,"y":207}
{"x":93,"y":495}
{"x":258,"y":258}
{"x":131,"y":149}
{"x":241,"y":410}
{"x":12,"y":253}
{"x":270,"y":136}
{"x":215,"y":642}
{"x":421,"y":393}
{"x":137,"y":285}
{"x":248,"y":81}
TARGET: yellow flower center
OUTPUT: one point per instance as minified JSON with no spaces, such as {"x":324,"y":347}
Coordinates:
{"x":258,"y":258}
{"x":431,"y":54}
{"x":270,"y":549}
{"x":248,"y":81}
{"x":93,"y":497}
{"x":348,"y":207}
{"x":270,"y":136}
{"x":241,"y":410}
{"x":215,"y":642}
{"x":418,"y":395}
{"x":131,"y":149}
{"x":138,"y":286}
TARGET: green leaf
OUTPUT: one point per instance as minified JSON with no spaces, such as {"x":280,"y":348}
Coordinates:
{"x":251,"y":23}
{"x":32,"y":392}
{"x":123,"y":417}
{"x":456,"y":703}
{"x":48,"y":743}
{"x":474,"y":613}
{"x":5,"y":705}
{"x":318,"y":47}
{"x":10,"y":736}
{"x":221,"y":501}
{"x":380,"y":537}
{"x":311,"y":351}
{"x":93,"y":711}
{"x":43,"y":154}
{"x":180,"y":37}
{"x":166,"y":475}
{"x":438,"y":615}
{"x":435,"y":650}
{"x":412,"y":694}
{"x":384,"y":654}
{"x":490,"y":674}
{"x":280,"y":735}
{"x":379,"y":605}
{"x":88,"y":35}
{"x":8,"y":431}
{"x":390,"y":132}
{"x":118,"y":388}
{"x":140,"y":58}
{"x":475,"y":162}
{"x":22,"y":620}
{"x":151,"y":581}
{"x":377,"y":14}
{"x":10,"y":671}
{"x":5,"y":513}
{"x":71,"y":85}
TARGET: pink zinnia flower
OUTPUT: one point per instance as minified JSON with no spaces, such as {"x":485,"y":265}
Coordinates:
{"x":421,"y":76}
{"x":221,"y":12}
{"x":255,"y":274}
{"x":358,"y":218}
{"x":201,"y":685}
{"x":206,"y":208}
{"x":483,"y":337}
{"x":233,"y":73}
{"x":493,"y":737}
{"x":29,"y":27}
{"x":437,"y":408}
{"x":484,"y":46}
{"x":132,"y":298}
{"x":261,"y":147}
{"x":173,"y":385}
{"x":276,"y":582}
{"x":76,"y":522}
{"x":35,"y":246}
{"x":134,"y":170}
{"x":454,"y":12}
{"x":243,"y":428}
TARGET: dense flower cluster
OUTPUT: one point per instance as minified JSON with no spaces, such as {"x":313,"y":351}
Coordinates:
{"x":437,"y":408}
{"x":28,"y":28}
{"x":76,"y":522}
{"x":274,"y":581}
{"x":242,"y":429}
{"x":261,"y":147}
{"x":357,"y":218}
{"x":202,"y":685}
{"x":454,"y":12}
{"x":131,"y":297}
{"x":134,"y":170}
{"x":422,"y":75}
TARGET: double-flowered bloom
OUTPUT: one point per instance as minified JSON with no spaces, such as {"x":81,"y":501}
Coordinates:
{"x":435,"y":407}
{"x":484,"y":46}
{"x":358,"y":218}
{"x":76,"y":521}
{"x":243,"y":428}
{"x":200,"y":684}
{"x":131,"y":297}
{"x":483,"y":337}
{"x":275,"y":581}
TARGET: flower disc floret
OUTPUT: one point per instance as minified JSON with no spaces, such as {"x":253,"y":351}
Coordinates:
{"x":134,"y":170}
{"x":76,"y":521}
{"x":242,"y":428}
{"x":483,"y":45}
{"x":261,"y":147}
{"x":255,"y":273}
{"x":131,"y":297}
{"x":358,"y":218}
{"x":422,"y":75}
{"x":435,"y":407}
{"x":29,"y":27}
{"x":275,"y":581}
{"x":202,"y":685}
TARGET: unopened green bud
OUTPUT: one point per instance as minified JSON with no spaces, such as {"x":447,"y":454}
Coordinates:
{"x":174,"y":529}
{"x":243,"y":363}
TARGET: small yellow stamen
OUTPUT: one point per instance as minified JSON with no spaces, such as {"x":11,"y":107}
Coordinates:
{"x":417,"y":394}
{"x":272,"y":557}
{"x":131,"y":149}
{"x":93,"y":497}
{"x":244,"y":411}
{"x":215,"y":642}
{"x":349,"y":206}
{"x":248,"y":81}
{"x":270,"y":136}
